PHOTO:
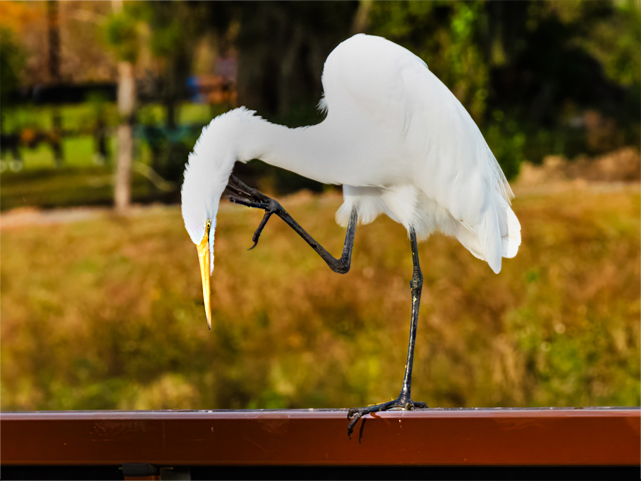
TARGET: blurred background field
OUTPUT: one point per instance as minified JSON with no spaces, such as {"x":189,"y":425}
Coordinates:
{"x":107,"y":312}
{"x":103,"y":309}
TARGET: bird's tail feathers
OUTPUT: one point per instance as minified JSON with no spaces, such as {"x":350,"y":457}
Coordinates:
{"x":499,"y":233}
{"x":468,"y":238}
{"x":489,"y":233}
{"x":510,"y":229}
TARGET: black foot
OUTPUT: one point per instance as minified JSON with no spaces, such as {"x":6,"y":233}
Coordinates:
{"x":354,"y":414}
{"x":250,"y":197}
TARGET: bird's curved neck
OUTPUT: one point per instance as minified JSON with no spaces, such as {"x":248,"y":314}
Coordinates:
{"x":300,"y":150}
{"x":239,"y":135}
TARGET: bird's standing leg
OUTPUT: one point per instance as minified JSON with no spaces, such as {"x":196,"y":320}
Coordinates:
{"x":404,"y":400}
{"x":245,"y":195}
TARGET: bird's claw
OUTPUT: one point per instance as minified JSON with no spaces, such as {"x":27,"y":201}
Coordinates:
{"x":261,"y":226}
{"x":354,"y":414}
{"x":247,"y":196}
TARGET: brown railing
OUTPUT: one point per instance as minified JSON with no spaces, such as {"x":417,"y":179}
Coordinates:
{"x":443,"y":438}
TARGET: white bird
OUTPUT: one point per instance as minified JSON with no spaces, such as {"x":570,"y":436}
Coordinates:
{"x":398,"y":141}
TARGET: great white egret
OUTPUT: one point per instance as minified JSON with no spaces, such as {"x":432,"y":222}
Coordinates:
{"x":398,"y":141}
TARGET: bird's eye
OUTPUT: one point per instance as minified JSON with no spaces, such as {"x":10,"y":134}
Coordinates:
{"x":207,"y":226}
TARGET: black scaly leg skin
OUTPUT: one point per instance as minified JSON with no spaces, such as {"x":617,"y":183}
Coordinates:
{"x":245,"y":195}
{"x":404,"y":400}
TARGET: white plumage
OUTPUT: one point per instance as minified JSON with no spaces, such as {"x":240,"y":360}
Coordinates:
{"x":395,"y":137}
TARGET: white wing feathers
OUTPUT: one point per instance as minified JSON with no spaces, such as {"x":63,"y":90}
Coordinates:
{"x":438,"y":159}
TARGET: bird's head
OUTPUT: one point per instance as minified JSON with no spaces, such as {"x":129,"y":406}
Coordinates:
{"x":206,"y":176}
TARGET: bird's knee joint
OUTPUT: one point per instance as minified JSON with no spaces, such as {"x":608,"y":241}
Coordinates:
{"x":343,"y":269}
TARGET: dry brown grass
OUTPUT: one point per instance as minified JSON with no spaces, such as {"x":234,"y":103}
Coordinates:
{"x":106,"y":313}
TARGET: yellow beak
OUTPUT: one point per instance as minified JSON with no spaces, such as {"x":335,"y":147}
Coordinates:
{"x":203,"y":257}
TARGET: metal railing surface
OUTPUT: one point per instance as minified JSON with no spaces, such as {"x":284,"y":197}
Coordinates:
{"x":434,"y":437}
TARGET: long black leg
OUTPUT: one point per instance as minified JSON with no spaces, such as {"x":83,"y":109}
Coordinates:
{"x":416,"y":287}
{"x":245,"y":195}
{"x":404,"y":400}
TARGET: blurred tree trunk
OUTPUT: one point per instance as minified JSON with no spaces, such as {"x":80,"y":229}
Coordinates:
{"x":126,"y":103}
{"x":361,"y":17}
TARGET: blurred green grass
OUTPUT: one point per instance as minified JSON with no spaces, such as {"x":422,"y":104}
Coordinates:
{"x":70,"y":186}
{"x":79,"y":120}
{"x":107,"y":313}
{"x":80,"y":116}
{"x":80,"y":181}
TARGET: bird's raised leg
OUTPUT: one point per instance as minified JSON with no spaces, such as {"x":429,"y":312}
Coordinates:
{"x":245,"y":195}
{"x":404,"y":400}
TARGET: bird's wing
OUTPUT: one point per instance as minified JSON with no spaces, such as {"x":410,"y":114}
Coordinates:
{"x":417,"y":131}
{"x":459,"y":170}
